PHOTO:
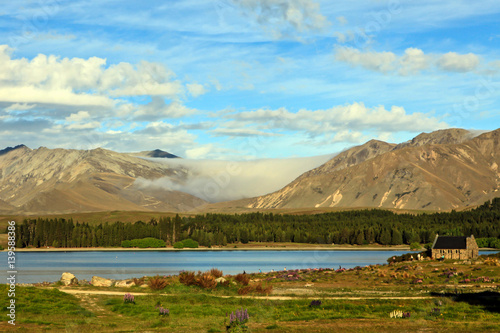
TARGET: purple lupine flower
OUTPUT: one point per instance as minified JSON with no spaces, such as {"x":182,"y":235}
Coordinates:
{"x":315,"y":303}
{"x":128,"y":298}
{"x":238,"y":317}
{"x":164,"y":312}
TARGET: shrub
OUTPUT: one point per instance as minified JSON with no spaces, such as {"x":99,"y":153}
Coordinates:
{"x":138,"y":282}
{"x":187,"y":278}
{"x":216,"y":273}
{"x":189,"y":243}
{"x":157,"y":282}
{"x":262,"y":290}
{"x":243,"y":279}
{"x":415,"y":246}
{"x":144,"y":243}
{"x":245,"y":290}
{"x":206,"y":281}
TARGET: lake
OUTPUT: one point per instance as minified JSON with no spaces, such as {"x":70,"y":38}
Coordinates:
{"x":35,"y":267}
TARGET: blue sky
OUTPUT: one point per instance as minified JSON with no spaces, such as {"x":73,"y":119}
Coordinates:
{"x":227,"y":79}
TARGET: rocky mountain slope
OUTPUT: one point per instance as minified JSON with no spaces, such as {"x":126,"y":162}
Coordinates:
{"x":443,"y":170}
{"x":62,"y":180}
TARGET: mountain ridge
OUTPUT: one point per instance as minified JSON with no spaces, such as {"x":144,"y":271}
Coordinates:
{"x":156,"y":153}
{"x":391,"y":178}
{"x":437,"y":171}
{"x":65,"y":180}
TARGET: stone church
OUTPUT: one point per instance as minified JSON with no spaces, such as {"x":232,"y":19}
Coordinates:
{"x":455,"y":247}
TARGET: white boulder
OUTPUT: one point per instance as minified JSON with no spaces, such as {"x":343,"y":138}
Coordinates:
{"x":101,"y":282}
{"x":68,"y":279}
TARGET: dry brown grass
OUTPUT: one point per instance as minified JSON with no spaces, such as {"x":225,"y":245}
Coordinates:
{"x":492,"y":262}
{"x":243,"y":279}
{"x":187,"y":278}
{"x":216,"y":273}
{"x":157,"y":282}
{"x":138,"y":282}
{"x":244,"y":290}
{"x":206,"y":281}
{"x":263,"y":290}
{"x":255,"y":288}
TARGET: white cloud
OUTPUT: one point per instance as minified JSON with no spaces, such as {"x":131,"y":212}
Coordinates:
{"x":356,"y":117}
{"x":342,"y":20}
{"x":216,"y":84}
{"x":244,"y":132}
{"x":376,"y":61}
{"x":413,"y":60}
{"x":216,"y":181}
{"x":78,"y":82}
{"x":78,"y":117}
{"x":199,"y":152}
{"x":146,"y":78}
{"x":341,"y":37}
{"x":284,"y":17}
{"x":454,"y":62}
{"x":20,"y":107}
{"x":196,"y":89}
{"x":158,"y":109}
{"x":81,"y":120}
{"x":349,"y":136}
{"x":89,"y":125}
{"x":78,"y":99}
{"x":49,"y":95}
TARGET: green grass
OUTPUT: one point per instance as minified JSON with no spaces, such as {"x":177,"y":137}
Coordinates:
{"x":193,"y":309}
{"x":53,"y":310}
{"x":50,"y":309}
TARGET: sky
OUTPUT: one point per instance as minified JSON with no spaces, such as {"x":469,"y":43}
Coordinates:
{"x":247,"y":79}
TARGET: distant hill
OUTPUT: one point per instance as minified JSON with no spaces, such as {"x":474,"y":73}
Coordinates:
{"x":64,"y":180}
{"x":157,"y":153}
{"x":443,"y":170}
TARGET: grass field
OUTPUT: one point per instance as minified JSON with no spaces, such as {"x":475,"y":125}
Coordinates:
{"x":438,"y":297}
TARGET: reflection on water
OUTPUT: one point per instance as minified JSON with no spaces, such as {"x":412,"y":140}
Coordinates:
{"x":48,"y":266}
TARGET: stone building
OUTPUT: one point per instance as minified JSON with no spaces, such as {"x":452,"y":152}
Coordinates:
{"x":455,"y":247}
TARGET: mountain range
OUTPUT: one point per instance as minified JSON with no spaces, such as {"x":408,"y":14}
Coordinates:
{"x":65,"y":180}
{"x":438,"y":171}
{"x":443,"y":170}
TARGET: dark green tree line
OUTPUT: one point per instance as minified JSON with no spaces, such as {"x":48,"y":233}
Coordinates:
{"x":347,"y":227}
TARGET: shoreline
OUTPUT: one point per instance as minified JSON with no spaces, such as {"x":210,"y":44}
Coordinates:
{"x":248,"y":248}
{"x":240,"y":247}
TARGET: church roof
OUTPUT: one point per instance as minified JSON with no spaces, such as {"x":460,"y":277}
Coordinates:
{"x":450,"y":242}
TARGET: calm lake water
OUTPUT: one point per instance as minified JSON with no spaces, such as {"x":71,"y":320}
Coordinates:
{"x":35,"y":267}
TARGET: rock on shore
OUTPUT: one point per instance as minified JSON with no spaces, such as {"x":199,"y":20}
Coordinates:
{"x":68,"y":279}
{"x":101,"y":282}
